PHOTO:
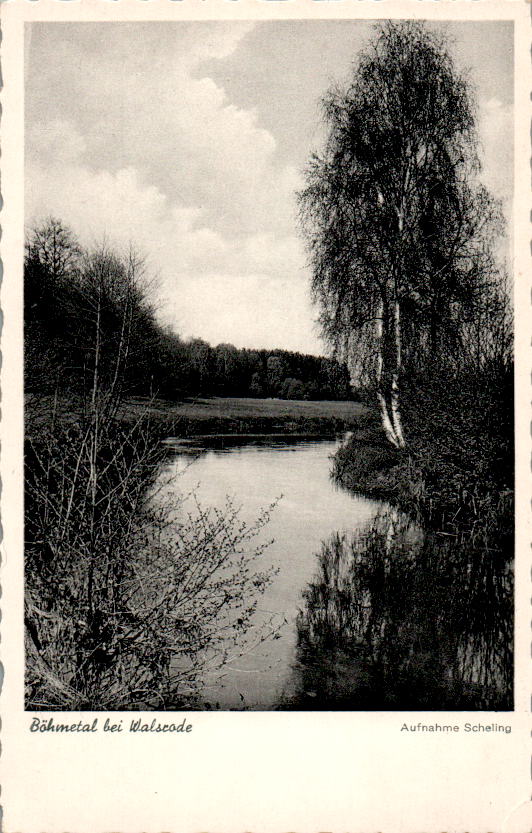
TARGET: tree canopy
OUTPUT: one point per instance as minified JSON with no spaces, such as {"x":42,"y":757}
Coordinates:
{"x":398,"y":227}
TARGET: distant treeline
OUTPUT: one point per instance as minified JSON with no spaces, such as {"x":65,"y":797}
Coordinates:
{"x":81,"y":303}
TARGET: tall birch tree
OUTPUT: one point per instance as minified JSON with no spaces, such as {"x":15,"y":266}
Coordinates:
{"x":398,"y":227}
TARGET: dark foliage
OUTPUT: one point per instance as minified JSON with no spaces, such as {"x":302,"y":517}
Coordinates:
{"x":71,"y":294}
{"x":400,"y":620}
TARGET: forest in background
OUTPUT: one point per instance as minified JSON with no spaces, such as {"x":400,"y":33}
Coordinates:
{"x":72,"y":293}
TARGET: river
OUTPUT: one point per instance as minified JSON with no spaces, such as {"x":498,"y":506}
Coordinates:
{"x":309,"y":508}
{"x":365,"y":611}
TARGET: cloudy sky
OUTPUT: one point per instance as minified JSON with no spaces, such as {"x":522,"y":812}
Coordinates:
{"x":189,"y":140}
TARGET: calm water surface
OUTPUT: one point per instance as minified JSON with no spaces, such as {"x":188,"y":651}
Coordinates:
{"x":310,"y":508}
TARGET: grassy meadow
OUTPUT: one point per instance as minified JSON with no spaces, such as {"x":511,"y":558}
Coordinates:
{"x":210,"y":415}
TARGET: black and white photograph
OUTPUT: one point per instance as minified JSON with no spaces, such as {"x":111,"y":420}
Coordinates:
{"x":265,"y":421}
{"x":268,"y":366}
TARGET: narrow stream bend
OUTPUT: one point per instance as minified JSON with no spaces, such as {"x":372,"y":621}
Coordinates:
{"x":365,"y":611}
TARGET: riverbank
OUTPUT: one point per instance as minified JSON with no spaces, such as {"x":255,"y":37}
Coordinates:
{"x":234,"y":415}
{"x":456,"y":473}
{"x":97,"y":554}
{"x":215,"y":415}
{"x":434,"y":485}
{"x":455,"y":478}
{"x":433,"y":591}
{"x":449,"y":595}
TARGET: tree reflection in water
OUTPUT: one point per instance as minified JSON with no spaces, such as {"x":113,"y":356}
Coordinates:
{"x":400,"y":620}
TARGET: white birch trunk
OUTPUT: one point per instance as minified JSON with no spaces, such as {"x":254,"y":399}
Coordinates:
{"x":394,"y":393}
{"x":383,"y":408}
{"x":395,"y":404}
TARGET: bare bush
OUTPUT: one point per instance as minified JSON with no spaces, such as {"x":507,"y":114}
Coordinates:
{"x":127,"y":605}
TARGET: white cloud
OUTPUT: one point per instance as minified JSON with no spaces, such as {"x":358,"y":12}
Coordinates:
{"x":128,"y":134}
{"x":177,"y":128}
{"x":247,"y":310}
{"x":164,"y":160}
{"x":248,"y":289}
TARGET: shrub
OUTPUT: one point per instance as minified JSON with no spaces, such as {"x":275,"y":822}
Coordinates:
{"x":126,"y":605}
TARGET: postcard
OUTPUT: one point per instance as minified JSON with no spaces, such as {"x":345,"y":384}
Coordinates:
{"x":265,"y":416}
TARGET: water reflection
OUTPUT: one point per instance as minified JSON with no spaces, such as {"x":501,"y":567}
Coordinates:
{"x":397,"y":620}
{"x":382,"y":617}
{"x":256,"y":471}
{"x":228,"y":443}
